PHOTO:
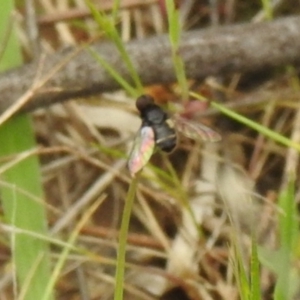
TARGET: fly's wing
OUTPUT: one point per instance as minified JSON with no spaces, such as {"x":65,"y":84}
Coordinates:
{"x":195,"y":130}
{"x":142,"y":150}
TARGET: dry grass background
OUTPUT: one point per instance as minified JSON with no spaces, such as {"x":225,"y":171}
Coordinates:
{"x":239,"y":176}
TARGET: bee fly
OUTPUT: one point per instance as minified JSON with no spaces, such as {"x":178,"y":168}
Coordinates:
{"x":153,"y":116}
{"x":158,"y":129}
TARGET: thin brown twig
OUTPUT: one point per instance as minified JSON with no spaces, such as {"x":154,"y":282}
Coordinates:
{"x":28,"y":95}
{"x":78,"y":13}
{"x":218,"y":51}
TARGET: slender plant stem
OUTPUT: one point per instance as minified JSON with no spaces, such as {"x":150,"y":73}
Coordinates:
{"x":121,"y":255}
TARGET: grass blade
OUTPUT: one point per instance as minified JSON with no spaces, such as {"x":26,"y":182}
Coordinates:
{"x":107,"y":24}
{"x":251,"y":124}
{"x":255,"y":293}
{"x":288,"y":229}
{"x":30,"y":255}
{"x":113,"y":73}
{"x":240,"y":274}
{"x":267,"y":8}
{"x":121,"y":256}
{"x":174,"y":37}
{"x":287,"y":220}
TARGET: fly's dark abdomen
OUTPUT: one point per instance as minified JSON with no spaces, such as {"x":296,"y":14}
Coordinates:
{"x":165,"y":136}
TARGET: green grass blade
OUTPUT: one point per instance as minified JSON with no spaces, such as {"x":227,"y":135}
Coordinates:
{"x":113,"y":73}
{"x":251,"y":124}
{"x":30,"y":255}
{"x":107,"y":24}
{"x":282,"y":266}
{"x":174,"y":37}
{"x":287,"y":220}
{"x":174,"y":24}
{"x":249,"y":289}
{"x":255,"y":293}
{"x":115,"y":10}
{"x":267,"y":7}
{"x":239,"y":270}
{"x":21,"y":211}
{"x":121,"y":256}
{"x":288,"y":229}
